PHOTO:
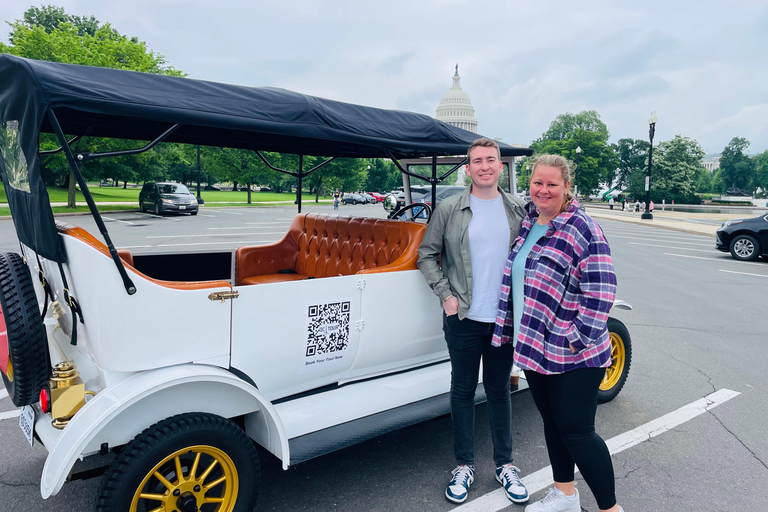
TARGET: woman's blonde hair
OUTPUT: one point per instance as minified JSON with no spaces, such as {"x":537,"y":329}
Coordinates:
{"x":566,"y":168}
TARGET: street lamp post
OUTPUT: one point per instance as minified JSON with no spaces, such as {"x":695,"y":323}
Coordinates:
{"x":651,"y":131}
{"x":575,"y":188}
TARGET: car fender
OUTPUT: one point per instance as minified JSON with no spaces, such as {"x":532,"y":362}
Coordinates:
{"x":122,"y":411}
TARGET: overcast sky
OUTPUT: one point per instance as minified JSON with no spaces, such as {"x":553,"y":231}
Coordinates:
{"x":702,"y":65}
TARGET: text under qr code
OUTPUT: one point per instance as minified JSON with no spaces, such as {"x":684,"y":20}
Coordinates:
{"x":328,"y":329}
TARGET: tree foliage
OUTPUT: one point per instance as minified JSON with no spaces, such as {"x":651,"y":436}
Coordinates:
{"x":632,"y":156}
{"x":738,"y":168}
{"x":596,"y":163}
{"x":675,"y":165}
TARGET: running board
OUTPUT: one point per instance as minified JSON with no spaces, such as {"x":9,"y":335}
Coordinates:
{"x":343,"y":435}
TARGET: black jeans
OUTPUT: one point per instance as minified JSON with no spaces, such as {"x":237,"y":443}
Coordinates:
{"x":567,"y":403}
{"x":469,"y":342}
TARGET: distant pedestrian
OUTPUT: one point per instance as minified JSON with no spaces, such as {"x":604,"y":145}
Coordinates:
{"x":336,"y":199}
{"x":650,"y":206}
{"x":611,"y":202}
{"x":637,"y":206}
{"x":623,"y":205}
{"x":642,"y":206}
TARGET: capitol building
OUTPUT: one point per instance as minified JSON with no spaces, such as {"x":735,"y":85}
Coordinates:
{"x":456,"y":108}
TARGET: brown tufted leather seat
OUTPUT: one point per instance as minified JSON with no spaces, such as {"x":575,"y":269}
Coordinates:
{"x":331,"y":245}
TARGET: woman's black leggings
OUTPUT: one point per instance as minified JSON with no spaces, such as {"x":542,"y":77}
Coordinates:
{"x":567,"y":403}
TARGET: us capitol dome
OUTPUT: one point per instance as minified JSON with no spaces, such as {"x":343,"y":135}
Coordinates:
{"x":456,"y":108}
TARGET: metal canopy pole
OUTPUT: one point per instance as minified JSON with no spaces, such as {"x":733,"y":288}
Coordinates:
{"x":299,"y":175}
{"x":84,"y":157}
{"x":127,"y":283}
{"x":434,"y":181}
{"x":298,"y":180}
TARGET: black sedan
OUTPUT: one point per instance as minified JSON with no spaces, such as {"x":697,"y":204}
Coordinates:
{"x":746,"y":239}
{"x":353,"y":199}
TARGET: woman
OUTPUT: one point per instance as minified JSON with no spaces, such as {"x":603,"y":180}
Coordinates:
{"x":558,"y":287}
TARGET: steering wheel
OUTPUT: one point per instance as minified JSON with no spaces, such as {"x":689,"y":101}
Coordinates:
{"x":419,"y":209}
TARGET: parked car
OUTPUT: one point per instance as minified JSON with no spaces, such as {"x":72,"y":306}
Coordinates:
{"x":368,"y":197}
{"x":350,"y":198}
{"x":745,"y":239}
{"x":379,"y":197}
{"x":443,"y":192}
{"x":167,"y":197}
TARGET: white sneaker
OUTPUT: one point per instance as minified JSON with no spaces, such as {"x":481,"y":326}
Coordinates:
{"x":458,"y":487}
{"x":556,"y":501}
{"x":507,"y":475}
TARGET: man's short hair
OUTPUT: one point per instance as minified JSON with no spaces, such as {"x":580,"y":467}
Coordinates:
{"x":486,"y":143}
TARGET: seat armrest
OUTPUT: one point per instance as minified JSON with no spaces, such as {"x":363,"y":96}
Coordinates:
{"x":266,"y":259}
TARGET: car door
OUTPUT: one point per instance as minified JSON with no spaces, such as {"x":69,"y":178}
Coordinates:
{"x":296,"y":336}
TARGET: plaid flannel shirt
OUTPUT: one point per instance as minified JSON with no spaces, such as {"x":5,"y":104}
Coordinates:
{"x":569,"y":288}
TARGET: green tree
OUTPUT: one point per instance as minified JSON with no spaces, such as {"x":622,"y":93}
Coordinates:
{"x":703,"y":181}
{"x":632,"y":155}
{"x":675,"y":164}
{"x":738,"y":168}
{"x":761,"y":172}
{"x":49,"y":33}
{"x":383,"y":176}
{"x":597,"y":161}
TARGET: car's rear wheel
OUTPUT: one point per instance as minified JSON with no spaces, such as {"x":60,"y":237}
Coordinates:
{"x":193,"y":461}
{"x":158,"y":208}
{"x":23,"y":347}
{"x":142,"y":208}
{"x":745,"y":248}
{"x":621,"y":359}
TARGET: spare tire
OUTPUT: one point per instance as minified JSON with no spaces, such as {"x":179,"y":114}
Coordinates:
{"x":24,"y":362}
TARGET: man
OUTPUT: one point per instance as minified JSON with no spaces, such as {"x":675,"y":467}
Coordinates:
{"x":471,"y":234}
{"x":336,"y":199}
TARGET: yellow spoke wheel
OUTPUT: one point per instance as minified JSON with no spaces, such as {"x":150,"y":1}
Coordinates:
{"x":196,"y":478}
{"x":193,"y":462}
{"x":621,"y":359}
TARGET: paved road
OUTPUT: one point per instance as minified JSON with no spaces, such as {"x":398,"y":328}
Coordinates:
{"x":698,"y":327}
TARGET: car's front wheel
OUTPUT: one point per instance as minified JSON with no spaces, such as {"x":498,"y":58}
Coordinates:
{"x":158,"y":207}
{"x":193,"y":461}
{"x":745,"y":248}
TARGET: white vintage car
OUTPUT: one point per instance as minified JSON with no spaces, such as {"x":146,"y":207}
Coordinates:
{"x":297,"y":346}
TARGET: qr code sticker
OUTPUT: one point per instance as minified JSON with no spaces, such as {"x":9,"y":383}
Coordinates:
{"x":328,"y":329}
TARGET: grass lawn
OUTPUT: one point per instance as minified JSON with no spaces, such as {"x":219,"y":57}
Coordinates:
{"x":117,"y":194}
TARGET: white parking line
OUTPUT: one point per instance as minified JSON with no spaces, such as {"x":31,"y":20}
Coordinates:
{"x":218,"y":234}
{"x":8,"y":415}
{"x":542,"y":479}
{"x":221,"y":242}
{"x":722,"y":260}
{"x":743,"y":273}
{"x":657,"y":240}
{"x":3,"y":393}
{"x":118,"y":220}
{"x":672,"y":247}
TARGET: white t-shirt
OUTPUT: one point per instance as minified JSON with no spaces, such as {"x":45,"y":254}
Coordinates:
{"x":489,"y":249}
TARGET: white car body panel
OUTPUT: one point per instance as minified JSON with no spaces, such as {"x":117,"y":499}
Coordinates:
{"x":126,"y":321}
{"x":120,"y":412}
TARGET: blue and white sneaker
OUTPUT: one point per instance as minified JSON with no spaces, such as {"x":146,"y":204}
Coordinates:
{"x":458,"y":487}
{"x":514,"y":488}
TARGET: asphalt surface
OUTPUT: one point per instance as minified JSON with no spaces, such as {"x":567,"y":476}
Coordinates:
{"x":698,"y":326}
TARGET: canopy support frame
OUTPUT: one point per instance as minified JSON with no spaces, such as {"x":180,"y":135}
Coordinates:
{"x":298,"y":175}
{"x":85,"y":157}
{"x":130,"y":288}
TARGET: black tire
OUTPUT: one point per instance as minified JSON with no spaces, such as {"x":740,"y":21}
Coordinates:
{"x":142,"y":208}
{"x":745,"y":248}
{"x":193,"y":213}
{"x":25,"y":345}
{"x":158,"y":208}
{"x":184,"y":437}
{"x":621,"y":355}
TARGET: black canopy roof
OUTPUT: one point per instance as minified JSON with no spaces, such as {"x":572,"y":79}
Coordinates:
{"x":103,"y":102}
{"x":133,"y":105}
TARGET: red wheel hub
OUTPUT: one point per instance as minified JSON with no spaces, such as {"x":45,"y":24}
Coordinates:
{"x":3,"y":343}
